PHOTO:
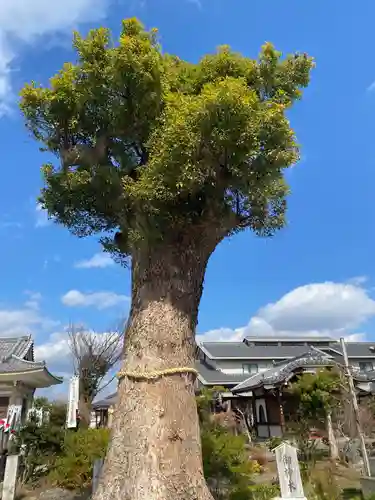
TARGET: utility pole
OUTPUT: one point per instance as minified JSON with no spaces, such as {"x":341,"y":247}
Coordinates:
{"x":353,"y":398}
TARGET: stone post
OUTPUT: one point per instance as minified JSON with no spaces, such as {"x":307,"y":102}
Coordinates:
{"x":10,"y":477}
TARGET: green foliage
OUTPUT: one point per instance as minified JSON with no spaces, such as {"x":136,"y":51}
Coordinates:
{"x":226,"y":463}
{"x":55,"y":409}
{"x":73,"y":468}
{"x":40,"y":447}
{"x":148,"y":142}
{"x":205,"y":401}
{"x":57,"y":414}
{"x":317,"y":394}
{"x":255,"y":492}
{"x":322,"y":484}
{"x":274,"y":442}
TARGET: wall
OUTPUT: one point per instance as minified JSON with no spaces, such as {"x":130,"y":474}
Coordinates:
{"x":235,"y":367}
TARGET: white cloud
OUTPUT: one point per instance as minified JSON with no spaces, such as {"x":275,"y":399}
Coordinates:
{"x":100,"y":260}
{"x":24,"y":320}
{"x":333,"y":309}
{"x":24,"y":22}
{"x":100,"y":300}
{"x":55,"y":352}
{"x":358,"y":280}
{"x":41,"y":216}
{"x":222,"y":335}
{"x":34,"y":299}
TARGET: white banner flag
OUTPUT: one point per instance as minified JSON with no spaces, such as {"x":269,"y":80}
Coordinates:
{"x":71,"y":417}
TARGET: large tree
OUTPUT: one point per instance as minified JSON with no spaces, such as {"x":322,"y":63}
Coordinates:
{"x":163,"y":159}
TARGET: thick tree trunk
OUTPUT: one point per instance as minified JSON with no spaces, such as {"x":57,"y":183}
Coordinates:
{"x":155,"y":451}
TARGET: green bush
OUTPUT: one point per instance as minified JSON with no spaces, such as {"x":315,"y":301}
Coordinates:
{"x":40,"y":446}
{"x":274,"y":442}
{"x":255,"y":492}
{"x":226,"y":462}
{"x":73,"y":469}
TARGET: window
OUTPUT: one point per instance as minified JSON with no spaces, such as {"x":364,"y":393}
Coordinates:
{"x":365,"y":366}
{"x":250,"y":368}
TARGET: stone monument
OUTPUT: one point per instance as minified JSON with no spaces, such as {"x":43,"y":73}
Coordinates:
{"x":288,"y":470}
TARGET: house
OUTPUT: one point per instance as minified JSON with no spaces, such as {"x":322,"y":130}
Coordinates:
{"x":20,"y":376}
{"x":255,"y":371}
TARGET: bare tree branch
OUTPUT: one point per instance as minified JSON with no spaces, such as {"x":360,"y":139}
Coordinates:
{"x":94,"y":356}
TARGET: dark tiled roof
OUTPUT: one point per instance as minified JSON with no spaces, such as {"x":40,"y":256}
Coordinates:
{"x":17,"y":346}
{"x":13,"y":350}
{"x":282,"y":371}
{"x":358,"y":349}
{"x":289,"y":338}
{"x":240,"y":350}
{"x":216,"y":377}
{"x":106,"y":402}
{"x":15,"y":364}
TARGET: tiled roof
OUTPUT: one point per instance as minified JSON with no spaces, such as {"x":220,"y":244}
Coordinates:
{"x":282,"y":371}
{"x":15,"y":364}
{"x":216,"y":377}
{"x":12,"y":353}
{"x":106,"y":402}
{"x":239,"y":350}
{"x":18,"y":346}
{"x":288,"y":338}
{"x":358,"y":349}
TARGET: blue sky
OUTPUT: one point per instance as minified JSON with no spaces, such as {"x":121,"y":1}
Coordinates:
{"x":317,"y":275}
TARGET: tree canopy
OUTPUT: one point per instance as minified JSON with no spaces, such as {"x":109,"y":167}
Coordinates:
{"x":318,"y":394}
{"x":150,"y":143}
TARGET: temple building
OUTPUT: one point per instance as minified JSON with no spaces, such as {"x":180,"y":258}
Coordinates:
{"x":256,"y":372}
{"x":20,"y":376}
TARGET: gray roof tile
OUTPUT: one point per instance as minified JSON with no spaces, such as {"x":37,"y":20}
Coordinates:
{"x":282,"y":371}
{"x":240,"y":350}
{"x":358,"y":349}
{"x":18,"y":346}
{"x":216,"y":377}
{"x":15,"y":364}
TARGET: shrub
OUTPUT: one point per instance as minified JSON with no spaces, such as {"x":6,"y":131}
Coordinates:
{"x":226,"y":462}
{"x":39,"y":446}
{"x":73,"y":469}
{"x":255,"y":492}
{"x":274,"y":442}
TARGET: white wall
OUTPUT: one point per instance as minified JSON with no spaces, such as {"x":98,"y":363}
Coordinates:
{"x":235,"y":367}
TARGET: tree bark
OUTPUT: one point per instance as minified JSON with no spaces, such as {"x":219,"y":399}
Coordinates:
{"x":155,"y":450}
{"x":84,"y":407}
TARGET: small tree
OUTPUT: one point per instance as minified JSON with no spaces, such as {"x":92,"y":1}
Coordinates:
{"x":319,"y":396}
{"x":163,"y":159}
{"x":226,"y":464}
{"x":94,"y":356}
{"x":41,"y":441}
{"x":54,"y":412}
